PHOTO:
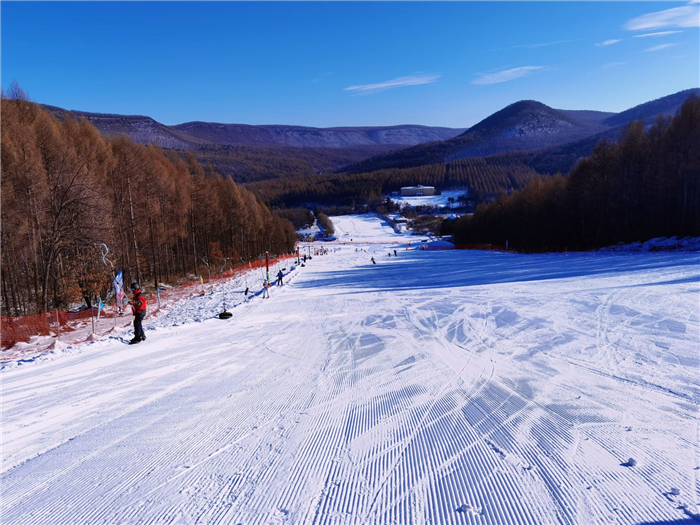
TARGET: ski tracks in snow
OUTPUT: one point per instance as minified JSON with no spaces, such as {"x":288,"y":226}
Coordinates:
{"x":339,"y":401}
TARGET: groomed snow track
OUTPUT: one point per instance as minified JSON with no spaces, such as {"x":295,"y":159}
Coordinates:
{"x":454,"y":387}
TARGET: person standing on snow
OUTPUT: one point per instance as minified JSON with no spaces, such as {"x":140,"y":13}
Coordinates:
{"x":265,"y":290}
{"x":138,"y":307}
{"x":279,"y":278}
{"x":373,"y":261}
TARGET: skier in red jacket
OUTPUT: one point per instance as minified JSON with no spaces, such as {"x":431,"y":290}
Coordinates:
{"x":138,"y":306}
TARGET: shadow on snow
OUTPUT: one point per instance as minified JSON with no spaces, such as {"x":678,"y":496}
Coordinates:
{"x":438,"y":270}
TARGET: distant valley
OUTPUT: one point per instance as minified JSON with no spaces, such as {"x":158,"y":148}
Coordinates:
{"x":289,"y":164}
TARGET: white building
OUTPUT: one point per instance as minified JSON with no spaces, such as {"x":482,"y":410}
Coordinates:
{"x":417,"y":191}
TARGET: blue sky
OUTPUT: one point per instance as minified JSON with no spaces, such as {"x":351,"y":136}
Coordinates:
{"x":347,"y":64}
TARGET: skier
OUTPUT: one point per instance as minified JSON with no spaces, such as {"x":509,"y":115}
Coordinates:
{"x":373,"y":261}
{"x":138,"y":307}
{"x":395,"y":254}
{"x":279,"y":278}
{"x":265,"y":290}
{"x":245,"y":294}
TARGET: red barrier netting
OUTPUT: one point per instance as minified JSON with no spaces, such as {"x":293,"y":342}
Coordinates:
{"x":21,"y":329}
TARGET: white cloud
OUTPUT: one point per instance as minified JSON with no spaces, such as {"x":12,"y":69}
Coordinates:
{"x":609,"y":42}
{"x":397,"y":82}
{"x":544,"y":44}
{"x":506,"y":75}
{"x":659,"y":33}
{"x":684,"y":16}
{"x":660,"y":47}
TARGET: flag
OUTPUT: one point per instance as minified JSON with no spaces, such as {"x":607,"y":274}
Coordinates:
{"x":100,"y":307}
{"x":201,"y":280}
{"x":119,"y":296}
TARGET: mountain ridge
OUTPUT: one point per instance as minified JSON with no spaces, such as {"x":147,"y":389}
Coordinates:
{"x":526,"y":125}
{"x":189,"y":135}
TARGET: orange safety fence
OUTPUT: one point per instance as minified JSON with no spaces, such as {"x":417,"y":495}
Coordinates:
{"x":21,"y":329}
{"x":57,"y":323}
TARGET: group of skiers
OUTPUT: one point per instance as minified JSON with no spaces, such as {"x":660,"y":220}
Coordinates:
{"x":266,"y":285}
{"x":138,"y":305}
{"x":396,"y":254}
{"x":138,"y":302}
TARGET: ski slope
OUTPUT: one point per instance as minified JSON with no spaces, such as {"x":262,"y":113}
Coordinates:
{"x":433,"y":387}
{"x":368,"y":229}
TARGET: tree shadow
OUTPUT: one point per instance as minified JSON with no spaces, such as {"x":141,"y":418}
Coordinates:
{"x":682,"y":521}
{"x":439,"y":270}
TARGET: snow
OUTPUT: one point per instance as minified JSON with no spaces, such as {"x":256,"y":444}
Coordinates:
{"x":431,"y":200}
{"x":439,"y":245}
{"x":310,"y":231}
{"x":658,"y":244}
{"x":432,"y":387}
{"x":367,"y":228}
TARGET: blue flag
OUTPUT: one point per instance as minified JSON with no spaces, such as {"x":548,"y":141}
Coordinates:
{"x":119,"y":296}
{"x":100,"y":307}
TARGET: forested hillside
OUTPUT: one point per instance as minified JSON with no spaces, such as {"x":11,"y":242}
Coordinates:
{"x":484,"y":177}
{"x":255,"y":163}
{"x":646,"y":185}
{"x":66,"y":188}
{"x":528,"y":125}
{"x":283,"y":168}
